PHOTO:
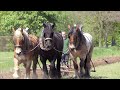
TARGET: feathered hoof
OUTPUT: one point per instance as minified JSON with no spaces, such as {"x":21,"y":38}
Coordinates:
{"x":75,"y":77}
{"x":15,"y":76}
{"x":87,"y":76}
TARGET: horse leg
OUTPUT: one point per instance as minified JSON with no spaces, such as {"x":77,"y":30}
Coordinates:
{"x":70,"y":63}
{"x":24,"y":64}
{"x":62,"y":60}
{"x":28,"y":65}
{"x":45,"y":71}
{"x":52,"y":69}
{"x":16,"y":74}
{"x":87,"y":63}
{"x":75,"y":68}
{"x":82,"y":62}
{"x":35,"y":61}
{"x":58,"y":67}
{"x":67,"y":60}
{"x":76,"y":75}
{"x":87,"y":66}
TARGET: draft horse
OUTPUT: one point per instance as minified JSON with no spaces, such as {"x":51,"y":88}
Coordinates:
{"x":51,"y":48}
{"x":80,"y":45}
{"x":25,"y":51}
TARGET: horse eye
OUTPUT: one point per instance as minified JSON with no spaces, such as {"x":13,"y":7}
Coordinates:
{"x":69,"y":36}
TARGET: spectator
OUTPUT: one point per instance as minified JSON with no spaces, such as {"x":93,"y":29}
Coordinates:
{"x":65,"y":55}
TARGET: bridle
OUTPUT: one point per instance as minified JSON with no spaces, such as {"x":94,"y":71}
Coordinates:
{"x":27,"y":51}
{"x":48,"y":39}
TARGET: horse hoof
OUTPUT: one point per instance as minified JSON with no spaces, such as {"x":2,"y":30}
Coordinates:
{"x":59,"y":76}
{"x":87,"y":76}
{"x":45,"y":77}
{"x":75,"y":77}
{"x":26,"y":78}
{"x":81,"y":75}
{"x":15,"y":76}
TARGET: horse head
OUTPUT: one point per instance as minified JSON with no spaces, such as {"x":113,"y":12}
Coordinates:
{"x":20,"y":40}
{"x":48,"y":34}
{"x":75,"y":37}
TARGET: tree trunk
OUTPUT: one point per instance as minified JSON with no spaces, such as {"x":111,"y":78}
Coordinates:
{"x":100,"y":40}
{"x":106,"y":36}
{"x":113,"y":42}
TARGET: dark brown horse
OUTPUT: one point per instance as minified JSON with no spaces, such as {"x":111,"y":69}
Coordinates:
{"x":80,"y":45}
{"x":51,"y":48}
{"x":25,"y":51}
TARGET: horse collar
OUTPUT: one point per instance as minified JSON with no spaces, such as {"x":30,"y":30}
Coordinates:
{"x":41,"y":44}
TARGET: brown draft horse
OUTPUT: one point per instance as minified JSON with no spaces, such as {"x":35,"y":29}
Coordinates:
{"x":80,"y":45}
{"x":25,"y":51}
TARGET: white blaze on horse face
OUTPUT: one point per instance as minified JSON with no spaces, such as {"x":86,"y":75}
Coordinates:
{"x":18,"y":33}
{"x":18,"y":50}
{"x":71,"y":46}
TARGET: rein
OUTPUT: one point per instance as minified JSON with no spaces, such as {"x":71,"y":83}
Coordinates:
{"x":28,"y":51}
{"x":53,"y":47}
{"x":61,"y":51}
{"x":34,"y":47}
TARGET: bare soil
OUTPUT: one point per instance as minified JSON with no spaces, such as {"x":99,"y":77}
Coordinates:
{"x":65,"y":71}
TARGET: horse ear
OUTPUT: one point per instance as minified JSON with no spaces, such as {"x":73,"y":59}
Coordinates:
{"x":53,"y":25}
{"x":69,"y":27}
{"x":81,"y":26}
{"x":44,"y":24}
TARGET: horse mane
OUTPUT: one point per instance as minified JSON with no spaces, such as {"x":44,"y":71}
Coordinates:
{"x":81,"y":39}
{"x":25,"y":35}
{"x":27,"y":42}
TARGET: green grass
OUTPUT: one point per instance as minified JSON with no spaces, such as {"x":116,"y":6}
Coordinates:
{"x":105,"y":52}
{"x":6,"y":58}
{"x":6,"y":61}
{"x":110,"y":71}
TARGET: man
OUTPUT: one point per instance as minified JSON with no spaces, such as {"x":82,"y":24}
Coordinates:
{"x":65,"y":55}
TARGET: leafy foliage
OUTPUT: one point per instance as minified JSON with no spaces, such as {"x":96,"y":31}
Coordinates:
{"x":103,"y":25}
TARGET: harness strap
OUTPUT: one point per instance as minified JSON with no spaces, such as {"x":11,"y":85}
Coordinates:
{"x":48,"y":38}
{"x":41,"y":44}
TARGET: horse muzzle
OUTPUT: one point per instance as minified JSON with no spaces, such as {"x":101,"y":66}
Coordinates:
{"x":71,"y":47}
{"x":18,"y":51}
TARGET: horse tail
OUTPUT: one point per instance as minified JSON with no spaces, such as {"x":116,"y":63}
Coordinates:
{"x":91,"y":59}
{"x":93,"y":66}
